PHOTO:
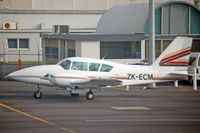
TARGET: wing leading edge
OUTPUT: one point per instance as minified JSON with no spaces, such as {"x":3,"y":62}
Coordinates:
{"x":96,"y":83}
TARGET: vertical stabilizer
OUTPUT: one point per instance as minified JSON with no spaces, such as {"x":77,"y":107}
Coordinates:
{"x":176,"y":54}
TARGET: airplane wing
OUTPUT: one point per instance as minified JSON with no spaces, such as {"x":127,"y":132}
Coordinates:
{"x":96,"y":83}
{"x":87,"y":82}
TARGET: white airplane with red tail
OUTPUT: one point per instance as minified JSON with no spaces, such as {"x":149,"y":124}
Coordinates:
{"x":77,"y":74}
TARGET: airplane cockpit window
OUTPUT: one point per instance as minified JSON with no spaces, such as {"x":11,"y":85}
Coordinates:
{"x":94,"y":66}
{"x":106,"y":68}
{"x":65,"y":64}
{"x":81,"y":66}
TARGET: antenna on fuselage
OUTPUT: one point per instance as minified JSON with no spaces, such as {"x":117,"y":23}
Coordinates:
{"x":104,"y":56}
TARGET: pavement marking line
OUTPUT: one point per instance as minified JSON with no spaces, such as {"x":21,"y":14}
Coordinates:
{"x":36,"y":118}
{"x":9,"y":84}
{"x":8,"y":94}
{"x":146,"y":120}
{"x":131,"y":108}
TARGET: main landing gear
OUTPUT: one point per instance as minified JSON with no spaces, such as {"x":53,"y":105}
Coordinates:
{"x":74,"y":94}
{"x":89,"y":95}
{"x":38,"y":93}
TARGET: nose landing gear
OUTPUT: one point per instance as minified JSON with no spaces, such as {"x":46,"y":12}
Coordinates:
{"x":38,"y":93}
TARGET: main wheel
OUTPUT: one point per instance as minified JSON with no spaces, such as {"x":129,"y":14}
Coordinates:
{"x":90,"y":95}
{"x":37,"y":94}
{"x":74,"y":94}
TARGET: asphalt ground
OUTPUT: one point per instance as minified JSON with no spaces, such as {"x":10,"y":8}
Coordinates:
{"x":163,"y":110}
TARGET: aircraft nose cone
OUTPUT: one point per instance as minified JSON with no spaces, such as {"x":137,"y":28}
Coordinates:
{"x":12,"y":75}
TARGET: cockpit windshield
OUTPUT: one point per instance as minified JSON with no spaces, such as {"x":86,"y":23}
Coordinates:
{"x":106,"y":68}
{"x":65,"y":64}
{"x":85,"y":66}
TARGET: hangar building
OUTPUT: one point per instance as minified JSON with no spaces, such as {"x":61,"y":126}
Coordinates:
{"x":119,"y":33}
{"x":122,"y":33}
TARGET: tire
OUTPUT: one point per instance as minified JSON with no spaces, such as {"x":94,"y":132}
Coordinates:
{"x":90,"y":95}
{"x":37,"y":94}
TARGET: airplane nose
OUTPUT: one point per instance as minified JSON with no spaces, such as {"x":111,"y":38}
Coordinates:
{"x":12,"y":75}
{"x":33,"y":72}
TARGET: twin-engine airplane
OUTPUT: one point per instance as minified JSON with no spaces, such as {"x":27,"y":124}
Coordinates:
{"x":77,"y":74}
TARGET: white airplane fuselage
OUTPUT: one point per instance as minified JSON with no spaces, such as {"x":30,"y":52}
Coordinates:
{"x":128,"y":74}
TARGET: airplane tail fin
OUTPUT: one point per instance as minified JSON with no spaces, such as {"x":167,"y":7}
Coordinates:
{"x":176,"y":54}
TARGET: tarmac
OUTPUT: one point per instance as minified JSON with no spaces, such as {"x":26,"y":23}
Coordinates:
{"x":165,"y":109}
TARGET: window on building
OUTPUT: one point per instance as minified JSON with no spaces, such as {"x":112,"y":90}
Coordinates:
{"x":158,"y":49}
{"x":166,"y":43}
{"x":71,"y":53}
{"x":62,"y":49}
{"x":94,"y":66}
{"x":179,"y":20}
{"x":12,"y":43}
{"x":47,"y":52}
{"x":176,"y":18}
{"x":54,"y":52}
{"x":51,"y":52}
{"x":81,"y":66}
{"x":24,"y":43}
{"x":195,"y":21}
{"x":18,"y":43}
{"x":120,"y":50}
{"x":195,"y":45}
{"x":106,"y":68}
{"x":158,"y":15}
{"x":160,"y":46}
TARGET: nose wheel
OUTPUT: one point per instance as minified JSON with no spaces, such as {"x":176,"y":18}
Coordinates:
{"x":37,"y":94}
{"x":90,"y":95}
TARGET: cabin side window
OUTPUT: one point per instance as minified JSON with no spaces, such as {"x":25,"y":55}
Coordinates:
{"x":106,"y":68}
{"x":81,"y":66}
{"x":65,"y":64}
{"x":94,"y":66}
